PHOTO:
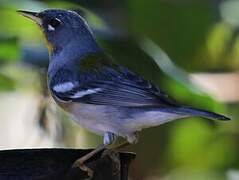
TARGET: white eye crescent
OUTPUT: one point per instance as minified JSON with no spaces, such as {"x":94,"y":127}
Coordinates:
{"x":50,"y":28}
{"x":53,"y":24}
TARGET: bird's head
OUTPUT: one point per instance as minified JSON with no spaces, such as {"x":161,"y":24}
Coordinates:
{"x":60,"y":27}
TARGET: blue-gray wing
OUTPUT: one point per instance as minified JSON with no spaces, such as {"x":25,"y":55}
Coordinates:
{"x":115,"y":87}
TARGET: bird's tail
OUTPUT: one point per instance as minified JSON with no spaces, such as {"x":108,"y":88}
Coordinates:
{"x":201,"y":113}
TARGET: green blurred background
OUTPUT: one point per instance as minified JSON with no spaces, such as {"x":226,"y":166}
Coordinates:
{"x":189,"y":48}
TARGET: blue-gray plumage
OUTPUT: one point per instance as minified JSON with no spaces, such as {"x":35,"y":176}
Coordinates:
{"x":101,"y":95}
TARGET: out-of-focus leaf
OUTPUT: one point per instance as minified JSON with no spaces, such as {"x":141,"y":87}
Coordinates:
{"x":193,"y":141}
{"x":180,"y":85}
{"x":186,"y":96}
{"x":167,"y":66}
{"x":217,"y":42}
{"x":9,"y":49}
{"x":184,"y":174}
{"x":189,"y":140}
{"x":6,"y":83}
{"x":179,"y":27}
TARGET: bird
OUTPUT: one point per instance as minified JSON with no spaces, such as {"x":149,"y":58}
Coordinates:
{"x":100,"y":94}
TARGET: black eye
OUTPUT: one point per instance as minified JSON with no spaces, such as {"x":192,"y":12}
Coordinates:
{"x":55,"y":22}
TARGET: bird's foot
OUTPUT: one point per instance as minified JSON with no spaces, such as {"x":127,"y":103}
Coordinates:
{"x":79,"y":164}
{"x":114,"y":156}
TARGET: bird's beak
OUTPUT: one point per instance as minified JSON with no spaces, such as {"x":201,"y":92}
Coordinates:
{"x":31,"y":15}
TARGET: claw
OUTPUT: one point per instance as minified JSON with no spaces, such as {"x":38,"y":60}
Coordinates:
{"x":83,"y":167}
{"x":79,"y":163}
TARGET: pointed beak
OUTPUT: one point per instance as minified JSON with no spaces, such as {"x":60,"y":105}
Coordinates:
{"x":31,"y":15}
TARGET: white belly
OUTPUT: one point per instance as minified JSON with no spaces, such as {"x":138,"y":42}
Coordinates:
{"x":93,"y":118}
{"x":101,"y":119}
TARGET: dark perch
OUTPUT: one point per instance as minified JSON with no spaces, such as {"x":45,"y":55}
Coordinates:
{"x":50,"y":164}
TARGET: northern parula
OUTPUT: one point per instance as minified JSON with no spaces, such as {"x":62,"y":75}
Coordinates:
{"x":101,"y":95}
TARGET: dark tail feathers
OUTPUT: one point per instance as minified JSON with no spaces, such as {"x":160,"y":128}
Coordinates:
{"x":202,"y":113}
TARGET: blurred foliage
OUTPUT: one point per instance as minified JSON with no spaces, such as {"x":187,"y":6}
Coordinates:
{"x":7,"y":83}
{"x":164,"y":41}
{"x":9,"y":49}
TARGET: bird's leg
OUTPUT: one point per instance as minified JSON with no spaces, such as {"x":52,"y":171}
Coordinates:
{"x":131,"y":139}
{"x":120,"y":146}
{"x":109,"y":138}
{"x":80,"y":162}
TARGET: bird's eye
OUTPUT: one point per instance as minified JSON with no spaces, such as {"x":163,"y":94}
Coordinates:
{"x":53,"y":23}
